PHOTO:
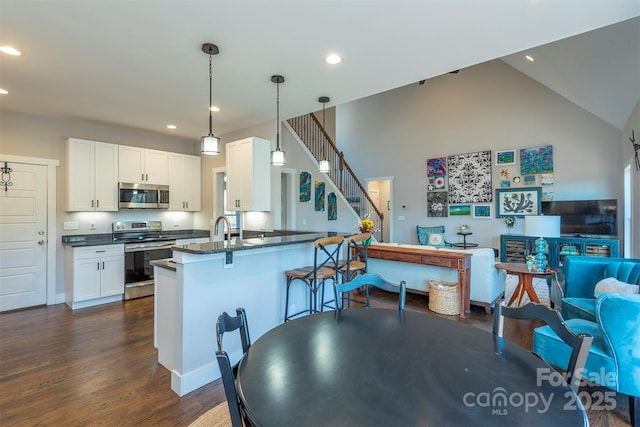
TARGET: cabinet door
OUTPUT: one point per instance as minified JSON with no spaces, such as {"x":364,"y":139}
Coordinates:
{"x":192,"y":183}
{"x":80,"y":176}
{"x":130,"y":164}
{"x":86,"y":278}
{"x":236,"y":172}
{"x":156,"y":168}
{"x":112,"y":276}
{"x":177,"y":199}
{"x":106,"y":177}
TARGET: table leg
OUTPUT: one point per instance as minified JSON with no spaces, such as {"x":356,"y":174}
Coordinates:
{"x":528,"y":287}
{"x":517,"y":291}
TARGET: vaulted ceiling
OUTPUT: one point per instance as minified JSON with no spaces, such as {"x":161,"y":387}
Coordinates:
{"x":139,"y":64}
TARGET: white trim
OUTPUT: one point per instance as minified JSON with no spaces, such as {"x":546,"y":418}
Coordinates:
{"x":390,"y":211}
{"x":52,"y":235}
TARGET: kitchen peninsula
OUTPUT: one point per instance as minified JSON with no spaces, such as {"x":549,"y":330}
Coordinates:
{"x":205,"y":279}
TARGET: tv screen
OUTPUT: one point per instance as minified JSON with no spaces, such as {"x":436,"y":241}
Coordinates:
{"x":585,"y":218}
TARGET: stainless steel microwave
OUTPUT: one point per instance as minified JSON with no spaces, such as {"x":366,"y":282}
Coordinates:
{"x":143,"y":196}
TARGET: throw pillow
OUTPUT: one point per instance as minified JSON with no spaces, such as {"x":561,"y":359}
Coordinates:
{"x":611,"y":284}
{"x":435,"y":239}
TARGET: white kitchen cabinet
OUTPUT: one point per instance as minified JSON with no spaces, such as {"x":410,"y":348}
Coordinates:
{"x":91,"y":175}
{"x":142,"y":165}
{"x":248,"y":175}
{"x":184,"y":182}
{"x":94,"y":275}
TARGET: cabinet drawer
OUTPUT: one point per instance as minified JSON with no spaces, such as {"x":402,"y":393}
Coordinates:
{"x":438,"y":261}
{"x":98,"y":251}
{"x":415,"y":258}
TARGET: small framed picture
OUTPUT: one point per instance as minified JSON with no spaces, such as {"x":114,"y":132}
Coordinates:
{"x":518,"y":202}
{"x":505,"y":157}
{"x":482,"y":211}
{"x":459,"y":210}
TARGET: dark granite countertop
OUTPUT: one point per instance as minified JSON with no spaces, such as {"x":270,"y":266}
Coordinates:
{"x":166,"y":263}
{"x":253,"y":243}
{"x":77,"y":240}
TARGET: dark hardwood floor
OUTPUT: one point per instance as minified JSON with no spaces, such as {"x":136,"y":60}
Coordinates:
{"x":98,"y":366}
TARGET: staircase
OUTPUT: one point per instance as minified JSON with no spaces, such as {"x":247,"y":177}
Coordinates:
{"x":315,"y":138}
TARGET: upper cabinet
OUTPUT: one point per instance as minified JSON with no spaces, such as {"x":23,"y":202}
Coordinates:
{"x":143,"y":165}
{"x":91,"y":175}
{"x":184,"y":182}
{"x":249,"y":175}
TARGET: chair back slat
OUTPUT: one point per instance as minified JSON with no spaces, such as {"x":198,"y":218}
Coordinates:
{"x":367,"y":280}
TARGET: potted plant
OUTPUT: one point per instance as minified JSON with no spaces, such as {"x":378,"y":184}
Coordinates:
{"x":510,"y":222}
{"x":530,"y":259}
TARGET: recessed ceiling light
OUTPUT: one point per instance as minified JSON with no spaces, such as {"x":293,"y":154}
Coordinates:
{"x":10,"y":50}
{"x":529,"y":57}
{"x":333,"y":59}
{"x":214,"y":108}
{"x":3,"y":91}
{"x":172,"y":127}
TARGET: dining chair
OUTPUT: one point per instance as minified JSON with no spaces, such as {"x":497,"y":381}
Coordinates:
{"x":326,"y":256}
{"x":579,"y":343}
{"x":224,"y":324}
{"x":366,"y":280}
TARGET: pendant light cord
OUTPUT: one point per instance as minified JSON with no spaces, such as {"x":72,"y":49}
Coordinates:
{"x":210,"y":94}
{"x":278,"y":117}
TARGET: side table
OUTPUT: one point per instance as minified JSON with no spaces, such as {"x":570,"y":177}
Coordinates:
{"x":525,"y":280}
{"x":464,"y":244}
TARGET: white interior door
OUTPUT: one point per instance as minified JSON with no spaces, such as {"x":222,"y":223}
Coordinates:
{"x":23,"y":237}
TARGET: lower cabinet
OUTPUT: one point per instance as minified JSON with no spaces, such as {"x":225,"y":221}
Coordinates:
{"x":94,"y":275}
{"x":514,"y":248}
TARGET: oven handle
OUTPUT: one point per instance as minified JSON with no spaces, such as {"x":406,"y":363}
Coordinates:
{"x":139,"y":247}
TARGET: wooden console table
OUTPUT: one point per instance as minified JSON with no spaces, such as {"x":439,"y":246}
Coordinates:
{"x":457,"y":260}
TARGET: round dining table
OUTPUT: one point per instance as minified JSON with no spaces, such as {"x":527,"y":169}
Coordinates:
{"x":379,"y":367}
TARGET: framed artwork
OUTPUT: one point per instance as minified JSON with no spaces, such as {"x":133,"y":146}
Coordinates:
{"x":437,"y":204}
{"x":482,"y":211}
{"x":332,"y":207}
{"x":505,"y":157}
{"x":459,"y":210}
{"x":319,"y":196}
{"x":305,"y":186}
{"x":536,"y":160}
{"x":518,"y":202}
{"x":529,"y":180}
{"x":470,"y":178}
{"x":437,"y":167}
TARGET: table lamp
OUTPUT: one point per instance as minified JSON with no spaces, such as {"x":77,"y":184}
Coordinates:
{"x":541,"y":226}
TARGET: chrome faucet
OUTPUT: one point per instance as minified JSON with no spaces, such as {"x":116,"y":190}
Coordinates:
{"x":225,"y":219}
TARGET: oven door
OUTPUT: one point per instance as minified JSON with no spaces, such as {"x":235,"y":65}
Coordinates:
{"x":138,"y":272}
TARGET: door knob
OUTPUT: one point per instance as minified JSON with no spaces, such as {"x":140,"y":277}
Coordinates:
{"x":41,"y":242}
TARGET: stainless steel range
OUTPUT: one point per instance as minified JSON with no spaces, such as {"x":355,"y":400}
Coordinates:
{"x":143,"y":243}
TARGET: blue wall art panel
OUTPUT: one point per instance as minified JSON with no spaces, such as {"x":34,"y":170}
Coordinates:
{"x":319,"y":199}
{"x":536,"y":160}
{"x":305,"y":186}
{"x":332,"y":207}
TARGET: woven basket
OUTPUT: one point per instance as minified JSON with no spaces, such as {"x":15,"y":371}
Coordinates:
{"x":444,"y":297}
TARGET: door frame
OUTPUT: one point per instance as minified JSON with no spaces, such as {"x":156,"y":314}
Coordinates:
{"x":52,"y":235}
{"x":390,"y":211}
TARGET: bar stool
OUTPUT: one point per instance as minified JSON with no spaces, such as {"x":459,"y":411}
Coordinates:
{"x":325,"y":258}
{"x":356,"y":262}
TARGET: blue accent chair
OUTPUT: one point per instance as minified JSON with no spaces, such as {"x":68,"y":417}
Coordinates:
{"x":423,"y":234}
{"x":582,"y":273}
{"x":614,"y":356}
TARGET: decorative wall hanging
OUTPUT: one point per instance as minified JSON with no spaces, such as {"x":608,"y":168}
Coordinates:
{"x":319,"y":197}
{"x":437,"y":167}
{"x":536,"y":160}
{"x":547,"y":196}
{"x":437,"y":204}
{"x":636,"y":148}
{"x":505,"y":173}
{"x":482,"y":211}
{"x":518,"y":202}
{"x":470,"y":178}
{"x":6,"y":177}
{"x":440,"y":183}
{"x":505,"y":157}
{"x":529,"y":179}
{"x":305,"y":186}
{"x":546,"y":179}
{"x":459,"y":210}
{"x":332,"y":207}
{"x":505,"y":183}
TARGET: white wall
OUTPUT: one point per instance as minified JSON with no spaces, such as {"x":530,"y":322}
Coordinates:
{"x":485,"y":107}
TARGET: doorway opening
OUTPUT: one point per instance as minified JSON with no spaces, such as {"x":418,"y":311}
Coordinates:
{"x":380,"y":189}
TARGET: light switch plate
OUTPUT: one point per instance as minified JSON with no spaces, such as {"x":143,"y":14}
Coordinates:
{"x":70,"y":225}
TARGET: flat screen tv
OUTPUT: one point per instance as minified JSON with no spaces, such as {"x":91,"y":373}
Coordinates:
{"x":585,"y":218}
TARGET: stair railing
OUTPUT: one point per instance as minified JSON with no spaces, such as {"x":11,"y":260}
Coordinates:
{"x":321,"y":147}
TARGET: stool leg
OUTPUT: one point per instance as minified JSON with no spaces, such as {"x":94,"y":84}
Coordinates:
{"x":286,"y":300}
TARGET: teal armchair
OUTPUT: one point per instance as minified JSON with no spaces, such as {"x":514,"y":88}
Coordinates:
{"x":582,"y":273}
{"x":614,"y":356}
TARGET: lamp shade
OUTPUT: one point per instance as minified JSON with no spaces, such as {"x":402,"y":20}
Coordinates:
{"x":542,"y":226}
{"x":210,"y":145}
{"x":277,"y":158}
{"x":324,"y":166}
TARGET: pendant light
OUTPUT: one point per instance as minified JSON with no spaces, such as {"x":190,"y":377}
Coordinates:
{"x":323,"y":165}
{"x":210,"y":144}
{"x":277,"y":156}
